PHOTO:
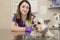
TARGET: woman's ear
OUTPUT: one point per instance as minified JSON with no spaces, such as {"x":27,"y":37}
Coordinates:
{"x":46,"y":21}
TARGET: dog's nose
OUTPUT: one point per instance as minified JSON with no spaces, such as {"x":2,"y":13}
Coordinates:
{"x":36,"y":28}
{"x":39,"y":23}
{"x":34,"y":25}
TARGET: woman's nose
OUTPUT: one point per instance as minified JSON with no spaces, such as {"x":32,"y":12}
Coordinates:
{"x":25,"y":9}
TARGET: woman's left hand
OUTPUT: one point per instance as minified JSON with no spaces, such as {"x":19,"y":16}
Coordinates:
{"x":28,"y":30}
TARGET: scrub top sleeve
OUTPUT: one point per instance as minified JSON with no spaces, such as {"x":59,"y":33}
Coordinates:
{"x":14,"y":19}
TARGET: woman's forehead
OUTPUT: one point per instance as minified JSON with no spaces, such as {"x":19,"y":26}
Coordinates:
{"x":25,"y":4}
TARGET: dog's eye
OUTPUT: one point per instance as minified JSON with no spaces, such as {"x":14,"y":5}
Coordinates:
{"x":39,"y":23}
{"x":32,"y":22}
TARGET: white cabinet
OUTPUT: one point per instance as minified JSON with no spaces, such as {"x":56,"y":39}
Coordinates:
{"x":54,"y":3}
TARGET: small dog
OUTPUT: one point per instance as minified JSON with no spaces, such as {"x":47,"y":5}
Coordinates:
{"x":40,"y":28}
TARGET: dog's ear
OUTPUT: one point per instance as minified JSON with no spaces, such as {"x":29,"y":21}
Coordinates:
{"x":46,"y":21}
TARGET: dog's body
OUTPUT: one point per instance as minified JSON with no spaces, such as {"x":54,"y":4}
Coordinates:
{"x":41,"y":28}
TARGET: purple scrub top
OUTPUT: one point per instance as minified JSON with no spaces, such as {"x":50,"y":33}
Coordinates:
{"x":19,"y":21}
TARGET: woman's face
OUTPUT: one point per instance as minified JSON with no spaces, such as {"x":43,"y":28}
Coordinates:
{"x":24,"y":8}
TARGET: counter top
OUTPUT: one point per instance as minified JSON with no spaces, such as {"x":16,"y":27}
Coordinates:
{"x":54,"y":28}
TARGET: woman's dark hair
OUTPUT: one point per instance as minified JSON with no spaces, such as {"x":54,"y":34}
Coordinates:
{"x":18,"y":14}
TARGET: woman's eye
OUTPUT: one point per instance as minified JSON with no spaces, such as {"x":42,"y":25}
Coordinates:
{"x":27,"y":7}
{"x":23,"y":6}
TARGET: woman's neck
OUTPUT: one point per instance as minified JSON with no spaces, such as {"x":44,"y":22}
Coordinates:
{"x":24,"y":17}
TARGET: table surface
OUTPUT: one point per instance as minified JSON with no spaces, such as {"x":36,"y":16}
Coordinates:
{"x":22,"y":36}
{"x":5,"y":34}
{"x":14,"y":34}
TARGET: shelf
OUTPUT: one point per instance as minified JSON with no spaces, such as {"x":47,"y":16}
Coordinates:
{"x":54,"y":8}
{"x":54,"y":28}
{"x":54,"y":4}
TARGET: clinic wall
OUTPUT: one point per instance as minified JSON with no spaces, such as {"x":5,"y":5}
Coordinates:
{"x":6,"y":7}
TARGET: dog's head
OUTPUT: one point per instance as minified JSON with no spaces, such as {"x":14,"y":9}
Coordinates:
{"x":40,"y":24}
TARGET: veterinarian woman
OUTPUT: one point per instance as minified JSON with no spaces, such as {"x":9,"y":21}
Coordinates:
{"x":22,"y":20}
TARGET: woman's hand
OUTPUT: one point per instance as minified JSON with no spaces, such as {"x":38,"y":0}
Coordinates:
{"x":28,"y":30}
